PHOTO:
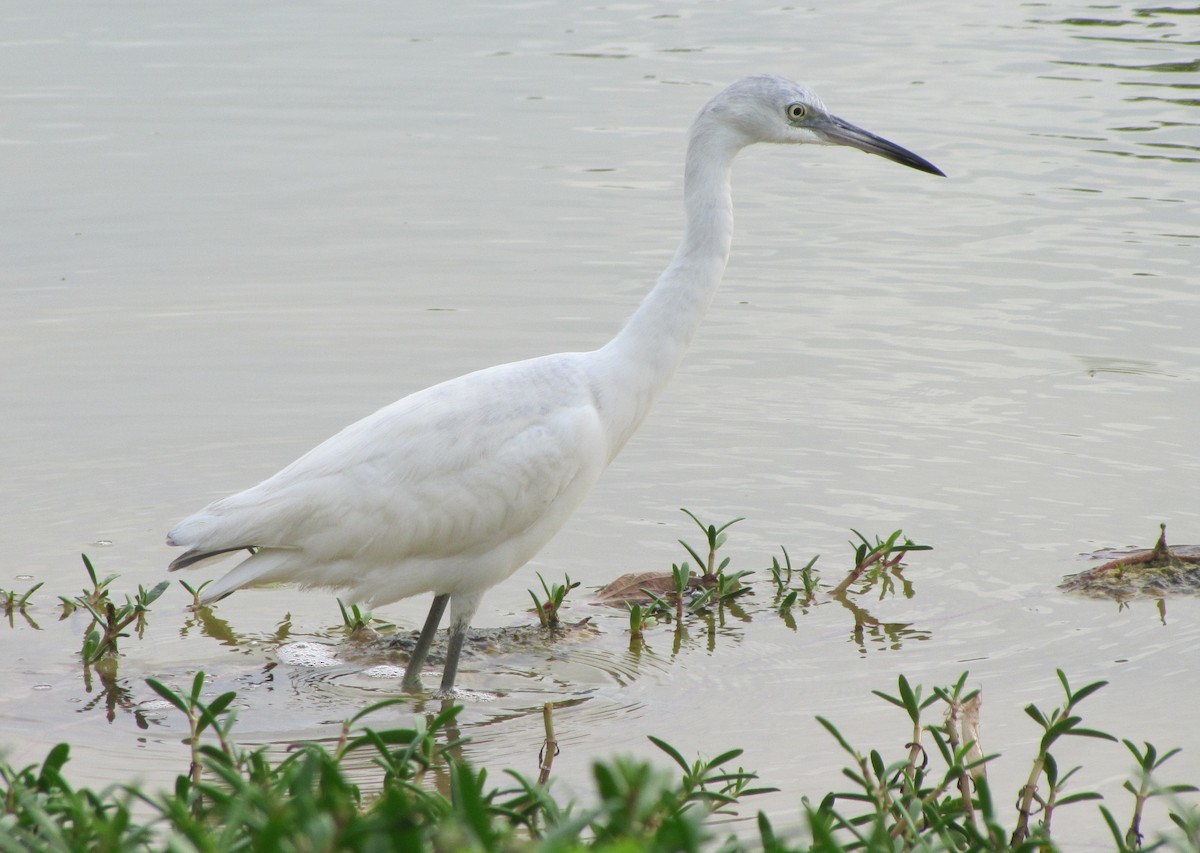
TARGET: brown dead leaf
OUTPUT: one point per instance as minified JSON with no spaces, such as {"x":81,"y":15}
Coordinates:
{"x":631,"y":588}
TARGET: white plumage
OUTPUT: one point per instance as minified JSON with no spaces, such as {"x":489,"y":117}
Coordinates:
{"x":452,"y":489}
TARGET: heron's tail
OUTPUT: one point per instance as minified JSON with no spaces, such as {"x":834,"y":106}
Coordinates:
{"x":255,"y":570}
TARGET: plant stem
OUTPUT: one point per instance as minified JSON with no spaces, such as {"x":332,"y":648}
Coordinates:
{"x":550,"y":747}
{"x":1025,"y":803}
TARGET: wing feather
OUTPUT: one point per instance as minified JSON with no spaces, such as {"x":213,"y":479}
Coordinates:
{"x":458,"y":468}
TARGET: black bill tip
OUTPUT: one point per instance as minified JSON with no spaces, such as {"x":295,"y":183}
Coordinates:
{"x":838,"y":132}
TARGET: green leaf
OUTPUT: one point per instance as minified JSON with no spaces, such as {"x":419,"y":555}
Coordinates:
{"x":1117,"y":834}
{"x":729,"y":524}
{"x":25,"y":598}
{"x":55,"y":759}
{"x":910,"y":700}
{"x":606,"y":781}
{"x":832,"y":729}
{"x":1038,"y":717}
{"x":695,"y":556}
{"x":1177,"y":789}
{"x":218,"y":705}
{"x":1083,"y":692}
{"x":537,"y":606}
{"x":877,"y":765}
{"x":197,"y":686}
{"x":670,"y":750}
{"x":766,"y":834}
{"x":1167,"y":756}
{"x":887,"y":698}
{"x":1080,"y":797}
{"x":379,"y":706}
{"x":725,"y":757}
{"x":1092,"y":733}
{"x":942,"y":745}
{"x":167,"y":693}
{"x":152,"y":596}
{"x":87,"y":564}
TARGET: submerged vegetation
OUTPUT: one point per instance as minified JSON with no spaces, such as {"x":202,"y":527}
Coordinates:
{"x":928,"y":791}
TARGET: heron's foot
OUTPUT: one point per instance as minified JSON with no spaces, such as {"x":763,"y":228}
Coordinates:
{"x":414,"y":685}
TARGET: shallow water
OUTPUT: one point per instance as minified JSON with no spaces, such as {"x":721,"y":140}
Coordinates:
{"x":227,"y":236}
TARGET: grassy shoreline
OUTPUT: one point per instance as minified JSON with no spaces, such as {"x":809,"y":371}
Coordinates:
{"x":932,"y":795}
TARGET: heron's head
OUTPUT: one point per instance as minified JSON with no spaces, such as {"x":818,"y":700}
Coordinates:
{"x":773,"y":109}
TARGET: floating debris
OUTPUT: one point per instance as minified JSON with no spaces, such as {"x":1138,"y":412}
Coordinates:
{"x":636,"y":588}
{"x":1155,"y":573}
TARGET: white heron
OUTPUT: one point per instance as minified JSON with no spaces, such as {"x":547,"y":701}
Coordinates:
{"x":452,"y":489}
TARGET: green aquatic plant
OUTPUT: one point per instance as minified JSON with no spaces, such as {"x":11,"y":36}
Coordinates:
{"x":1143,"y":789}
{"x":359,"y":623}
{"x":781,"y":575}
{"x":912,"y":804}
{"x":716,"y":537}
{"x":109,"y":620}
{"x":932,"y":796}
{"x":883,"y":553}
{"x":201,"y":716}
{"x":14,"y":604}
{"x":639,"y":615}
{"x":681,"y":574}
{"x":97,"y":596}
{"x":196,"y":592}
{"x":556,"y":594}
{"x":670,"y":597}
{"x":716,"y":584}
{"x":1059,"y":723}
{"x":232,"y":798}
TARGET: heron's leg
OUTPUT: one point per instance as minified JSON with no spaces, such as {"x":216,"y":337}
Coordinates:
{"x":458,"y":633}
{"x":462,"y":610}
{"x":412,"y":672}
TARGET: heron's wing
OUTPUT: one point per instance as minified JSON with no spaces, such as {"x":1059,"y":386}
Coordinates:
{"x":455,"y":469}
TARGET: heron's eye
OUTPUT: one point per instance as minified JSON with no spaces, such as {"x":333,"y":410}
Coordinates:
{"x":795,"y":112}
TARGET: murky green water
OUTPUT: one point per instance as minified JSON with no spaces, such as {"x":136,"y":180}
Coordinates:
{"x":227,"y":235}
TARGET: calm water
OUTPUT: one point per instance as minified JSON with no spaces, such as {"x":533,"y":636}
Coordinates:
{"x":226,"y":236}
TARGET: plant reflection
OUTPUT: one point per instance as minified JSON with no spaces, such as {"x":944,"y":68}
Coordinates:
{"x":883,"y":635}
{"x":210,"y":625}
{"x":717,"y":601}
{"x":877,"y":566}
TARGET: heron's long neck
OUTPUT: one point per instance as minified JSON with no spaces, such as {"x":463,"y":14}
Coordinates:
{"x":637,"y":364}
